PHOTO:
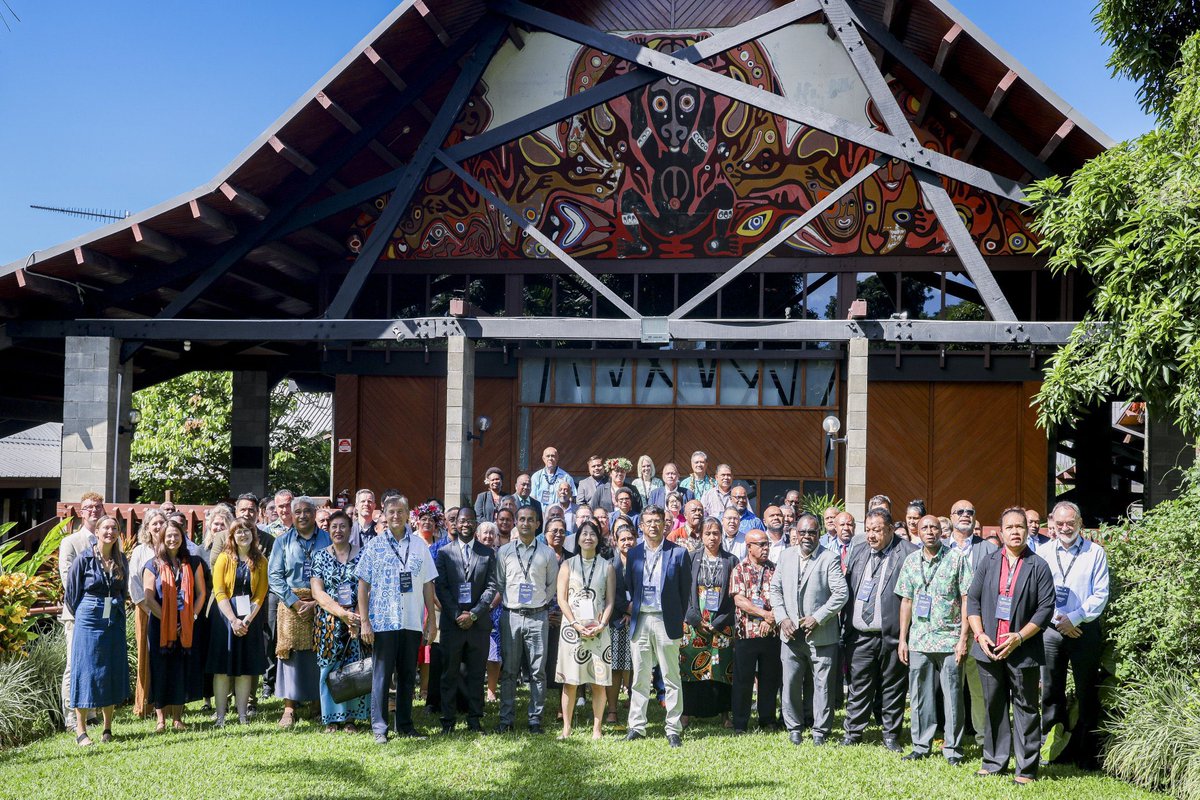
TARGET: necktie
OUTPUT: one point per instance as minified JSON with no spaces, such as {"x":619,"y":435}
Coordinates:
{"x":845,"y":553}
{"x":868,"y":610}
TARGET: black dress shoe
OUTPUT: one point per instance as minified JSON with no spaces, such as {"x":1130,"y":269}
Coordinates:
{"x":675,"y":740}
{"x":504,"y":727}
{"x":818,"y":741}
{"x":633,"y":736}
{"x":447,"y":727}
{"x":474,"y":727}
{"x":739,"y":731}
{"x":954,"y":761}
{"x":796,"y":737}
{"x":535,"y":728}
{"x":412,"y":734}
{"x":850,"y":741}
{"x":892,"y":744}
{"x":915,"y":756}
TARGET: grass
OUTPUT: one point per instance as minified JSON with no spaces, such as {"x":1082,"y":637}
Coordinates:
{"x":260,"y":760}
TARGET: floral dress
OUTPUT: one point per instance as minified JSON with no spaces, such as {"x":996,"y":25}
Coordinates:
{"x":335,"y":645}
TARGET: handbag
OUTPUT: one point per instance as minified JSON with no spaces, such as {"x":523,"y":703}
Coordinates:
{"x":351,"y":680}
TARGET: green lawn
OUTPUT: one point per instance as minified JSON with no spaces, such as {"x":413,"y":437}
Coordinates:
{"x":261,"y":761}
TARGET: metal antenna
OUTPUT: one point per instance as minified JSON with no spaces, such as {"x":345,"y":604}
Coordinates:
{"x":84,"y":213}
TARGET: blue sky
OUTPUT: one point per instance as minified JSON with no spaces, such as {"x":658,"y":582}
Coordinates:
{"x":122,"y":105}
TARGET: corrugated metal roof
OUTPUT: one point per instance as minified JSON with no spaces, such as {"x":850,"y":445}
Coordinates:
{"x":35,"y":453}
{"x":313,"y":412}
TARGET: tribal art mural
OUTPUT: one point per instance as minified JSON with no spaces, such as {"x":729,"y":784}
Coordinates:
{"x":674,"y":171}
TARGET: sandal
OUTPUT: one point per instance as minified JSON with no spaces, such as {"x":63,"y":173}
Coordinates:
{"x":611,"y":718}
{"x":107,"y":736}
{"x":331,"y":729}
{"x":288,"y":719}
{"x":350,"y":728}
{"x":178,"y":725}
{"x":83,"y":741}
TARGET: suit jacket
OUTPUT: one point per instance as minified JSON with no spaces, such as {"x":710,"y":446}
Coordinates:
{"x":1032,"y":601}
{"x":604,"y":498}
{"x":485,"y":507}
{"x":452,"y":572}
{"x":889,"y":603}
{"x":585,"y":491}
{"x":980,"y":549}
{"x":822,"y":595}
{"x":658,"y":495}
{"x":531,"y":501}
{"x":723,"y":617}
{"x":72,"y":546}
{"x":676,"y":585}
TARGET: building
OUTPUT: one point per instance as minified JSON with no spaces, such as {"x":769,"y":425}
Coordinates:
{"x":617,"y":227}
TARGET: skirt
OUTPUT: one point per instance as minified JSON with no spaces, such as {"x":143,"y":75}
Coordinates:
{"x":176,"y":674}
{"x":494,"y":639}
{"x":622,"y":658}
{"x":237,"y":655}
{"x":298,"y":678}
{"x":141,"y":691}
{"x":99,"y":664}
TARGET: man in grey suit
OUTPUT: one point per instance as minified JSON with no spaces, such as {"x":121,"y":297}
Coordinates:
{"x":808,"y":591}
{"x":964,"y":539}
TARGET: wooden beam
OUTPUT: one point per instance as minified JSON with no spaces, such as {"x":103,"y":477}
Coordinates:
{"x":318,"y":238}
{"x":351,"y":124}
{"x":1062,"y":133}
{"x":394,"y":78}
{"x":998,"y":94}
{"x":945,"y":48}
{"x":105,"y":265}
{"x":292,"y":155}
{"x":517,"y":37}
{"x":287,"y":260}
{"x":432,"y":21}
{"x":214,"y":219}
{"x":156,"y":245}
{"x":245,"y":201}
{"x":890,"y":7}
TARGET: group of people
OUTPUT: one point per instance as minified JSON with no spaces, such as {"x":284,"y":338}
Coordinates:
{"x":670,"y":586}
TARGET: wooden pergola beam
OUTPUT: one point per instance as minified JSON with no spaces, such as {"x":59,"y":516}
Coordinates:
{"x":945,"y":48}
{"x":156,"y":245}
{"x":245,"y":201}
{"x":1003,"y":87}
{"x":394,"y":78}
{"x":292,"y":155}
{"x":214,"y":219}
{"x":432,"y":21}
{"x":349,"y":123}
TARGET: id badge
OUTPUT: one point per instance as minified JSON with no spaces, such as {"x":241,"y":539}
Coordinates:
{"x":525,"y":593}
{"x":712,"y":599}
{"x":345,"y":595}
{"x":406,"y":582}
{"x":241,"y":605}
{"x":650,"y":595}
{"x":924,"y":605}
{"x":759,"y":602}
{"x":464,"y":594}
{"x":585,"y":609}
{"x":306,"y":572}
{"x":1003,"y":607}
{"x":107,"y":607}
{"x":1061,"y":593}
{"x":865,"y":590}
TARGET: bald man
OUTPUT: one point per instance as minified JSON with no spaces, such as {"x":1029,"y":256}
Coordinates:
{"x":544,"y":480}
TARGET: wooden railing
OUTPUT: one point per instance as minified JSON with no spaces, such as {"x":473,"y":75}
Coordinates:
{"x":130,"y":515}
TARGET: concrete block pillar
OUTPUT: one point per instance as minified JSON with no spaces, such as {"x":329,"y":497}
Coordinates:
{"x":250,"y":420}
{"x":460,"y":417}
{"x":97,"y":398}
{"x":1168,"y":454}
{"x":856,"y":430}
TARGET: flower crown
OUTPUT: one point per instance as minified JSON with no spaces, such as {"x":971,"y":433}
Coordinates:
{"x":620,"y":463}
{"x":433,"y":509}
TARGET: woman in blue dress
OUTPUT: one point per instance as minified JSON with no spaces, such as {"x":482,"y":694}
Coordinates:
{"x":96,"y":590}
{"x":335,"y":588}
{"x":175,"y":595}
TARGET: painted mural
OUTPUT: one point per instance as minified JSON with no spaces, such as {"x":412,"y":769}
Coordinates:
{"x":674,"y":171}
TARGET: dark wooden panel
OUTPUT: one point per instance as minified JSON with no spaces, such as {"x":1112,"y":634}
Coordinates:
{"x":1034,"y":447}
{"x":767,"y":443}
{"x":398,"y":426}
{"x":496,"y":398}
{"x":898,"y":441}
{"x":345,"y":426}
{"x":610,"y":432}
{"x":976,"y":446}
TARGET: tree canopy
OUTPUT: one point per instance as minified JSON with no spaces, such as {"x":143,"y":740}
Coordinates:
{"x":1130,"y":219}
{"x":1147,"y":38}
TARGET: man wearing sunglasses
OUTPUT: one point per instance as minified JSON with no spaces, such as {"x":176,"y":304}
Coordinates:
{"x":964,"y":539}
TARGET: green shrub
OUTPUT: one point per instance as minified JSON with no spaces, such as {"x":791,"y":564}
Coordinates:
{"x":31,"y":690}
{"x":1155,"y":586}
{"x":1156,"y":734}
{"x":816,"y":504}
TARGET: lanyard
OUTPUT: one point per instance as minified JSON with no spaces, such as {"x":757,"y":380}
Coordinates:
{"x":712,"y":569}
{"x":1012,"y":576}
{"x":391,"y":540}
{"x":937,"y":564}
{"x":307,"y":551}
{"x":106,"y":576}
{"x":587,"y":581}
{"x":762,"y":576}
{"x":525,"y":567}
{"x":648,"y":574}
{"x":1071,"y":563}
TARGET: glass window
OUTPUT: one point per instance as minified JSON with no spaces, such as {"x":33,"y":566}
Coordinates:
{"x":739,"y":383}
{"x":697,"y":382}
{"x":821,"y":296}
{"x":820,"y":383}
{"x":781,"y":383}
{"x":535,"y":380}
{"x":655,"y":383}
{"x":614,"y":381}
{"x":573,"y":381}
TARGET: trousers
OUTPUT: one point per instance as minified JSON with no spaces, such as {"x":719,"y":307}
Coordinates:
{"x":808,"y":683}
{"x":394,"y":653}
{"x":756,"y":657}
{"x":651,"y":646}
{"x":522,"y":637}
{"x":926,"y":673}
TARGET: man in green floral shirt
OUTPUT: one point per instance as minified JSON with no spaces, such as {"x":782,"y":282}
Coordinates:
{"x":933,"y":637}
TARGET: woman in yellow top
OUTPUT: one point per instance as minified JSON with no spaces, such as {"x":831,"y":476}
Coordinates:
{"x":236,"y":651}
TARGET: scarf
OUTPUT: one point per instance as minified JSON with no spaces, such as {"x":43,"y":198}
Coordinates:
{"x":176,"y":624}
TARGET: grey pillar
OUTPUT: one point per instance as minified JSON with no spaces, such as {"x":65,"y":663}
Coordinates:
{"x":97,"y":397}
{"x":1168,"y":454}
{"x":856,"y":430}
{"x":460,"y":416}
{"x":250,"y":420}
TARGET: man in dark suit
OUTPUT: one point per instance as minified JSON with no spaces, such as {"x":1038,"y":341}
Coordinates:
{"x":871,"y":631}
{"x":658,"y":577}
{"x":1010,"y":603}
{"x":466,"y":585}
{"x":524,"y":498}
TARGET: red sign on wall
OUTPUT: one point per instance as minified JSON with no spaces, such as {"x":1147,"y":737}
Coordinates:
{"x":344,"y":446}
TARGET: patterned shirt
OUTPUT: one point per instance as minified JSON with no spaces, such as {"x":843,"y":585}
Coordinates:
{"x":946,"y":578}
{"x":752,"y":581}
{"x":698,"y":487}
{"x":380,"y":567}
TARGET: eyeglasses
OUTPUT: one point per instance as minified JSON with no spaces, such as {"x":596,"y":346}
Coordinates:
{"x":806,"y":532}
{"x":964,"y":512}
{"x":740,"y":497}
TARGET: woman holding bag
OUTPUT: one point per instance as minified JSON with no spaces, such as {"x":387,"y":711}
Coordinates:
{"x":235,"y":652}
{"x":335,"y":588}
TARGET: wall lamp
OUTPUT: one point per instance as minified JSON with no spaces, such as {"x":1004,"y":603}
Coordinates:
{"x":484,"y":422}
{"x":134,"y":417}
{"x":832,"y":425}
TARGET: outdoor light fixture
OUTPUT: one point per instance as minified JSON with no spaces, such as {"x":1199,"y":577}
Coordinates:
{"x":484,"y":422}
{"x":832,"y":425}
{"x":134,"y":417}
{"x":187,"y":345}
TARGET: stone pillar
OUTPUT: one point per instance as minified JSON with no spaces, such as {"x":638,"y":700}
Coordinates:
{"x":855,"y":485}
{"x":1167,"y":456}
{"x":250,"y":421}
{"x":97,"y":398}
{"x":460,"y":418}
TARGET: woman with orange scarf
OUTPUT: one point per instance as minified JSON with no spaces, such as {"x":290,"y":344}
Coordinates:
{"x":174,"y":586}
